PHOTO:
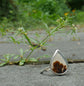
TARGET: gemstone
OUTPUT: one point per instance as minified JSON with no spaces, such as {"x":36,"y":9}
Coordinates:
{"x":58,"y":63}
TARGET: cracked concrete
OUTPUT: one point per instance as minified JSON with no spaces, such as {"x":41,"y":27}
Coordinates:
{"x":29,"y":75}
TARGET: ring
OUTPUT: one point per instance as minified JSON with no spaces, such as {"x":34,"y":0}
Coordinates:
{"x":58,"y":64}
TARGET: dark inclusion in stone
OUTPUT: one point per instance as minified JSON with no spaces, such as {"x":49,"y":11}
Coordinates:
{"x":59,"y":67}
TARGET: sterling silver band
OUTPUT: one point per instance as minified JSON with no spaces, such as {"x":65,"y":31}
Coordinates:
{"x":45,"y":70}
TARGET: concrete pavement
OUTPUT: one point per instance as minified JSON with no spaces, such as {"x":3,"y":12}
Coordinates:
{"x":29,"y":75}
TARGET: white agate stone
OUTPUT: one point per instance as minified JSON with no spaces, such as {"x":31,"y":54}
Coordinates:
{"x":58,"y":63}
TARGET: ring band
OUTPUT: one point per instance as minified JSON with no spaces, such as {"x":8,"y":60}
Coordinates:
{"x":45,"y":70}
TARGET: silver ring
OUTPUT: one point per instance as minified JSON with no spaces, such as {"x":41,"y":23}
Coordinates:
{"x":58,"y":64}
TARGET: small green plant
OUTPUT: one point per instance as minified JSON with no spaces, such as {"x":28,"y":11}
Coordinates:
{"x":74,"y":33}
{"x":6,"y":59}
{"x":33,"y":43}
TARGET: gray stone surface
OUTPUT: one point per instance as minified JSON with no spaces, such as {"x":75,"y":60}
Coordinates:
{"x":29,"y":75}
{"x":70,"y":49}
